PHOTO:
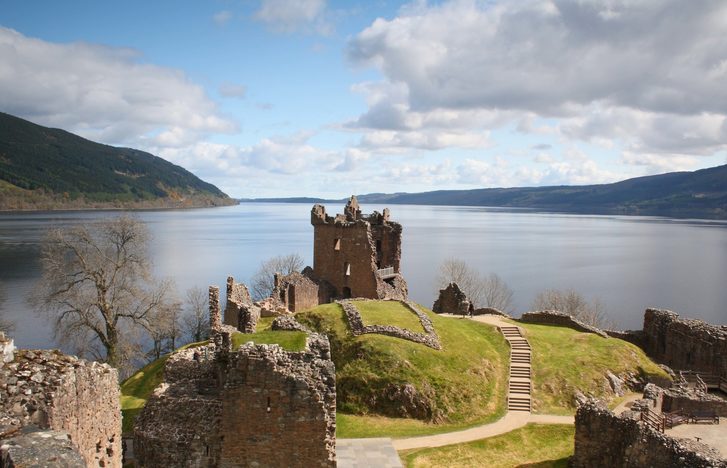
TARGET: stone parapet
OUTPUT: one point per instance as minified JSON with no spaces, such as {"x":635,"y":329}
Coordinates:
{"x":357,"y":326}
{"x":554,"y":317}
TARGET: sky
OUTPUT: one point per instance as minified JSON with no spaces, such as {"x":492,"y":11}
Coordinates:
{"x":281,"y":98}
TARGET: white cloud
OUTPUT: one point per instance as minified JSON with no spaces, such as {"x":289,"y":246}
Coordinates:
{"x":103,"y":93}
{"x":290,"y":16}
{"x":222,"y":17}
{"x":645,"y":76}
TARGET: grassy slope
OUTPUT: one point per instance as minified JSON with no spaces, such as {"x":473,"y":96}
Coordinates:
{"x":539,"y":445}
{"x":464,"y":382}
{"x":388,"y":313}
{"x":564,"y":360}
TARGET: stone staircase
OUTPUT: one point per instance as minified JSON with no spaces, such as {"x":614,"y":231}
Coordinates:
{"x":520,"y":384}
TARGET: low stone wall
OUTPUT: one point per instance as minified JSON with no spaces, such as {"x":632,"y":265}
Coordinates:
{"x":489,"y":311}
{"x":357,"y":326}
{"x":635,"y":337}
{"x":554,"y":317}
{"x":289,"y":323}
{"x":684,"y":344}
{"x":691,"y":401}
{"x":605,"y":440}
{"x":51,"y":390}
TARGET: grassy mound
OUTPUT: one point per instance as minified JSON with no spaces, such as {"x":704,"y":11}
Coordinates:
{"x":135,"y":390}
{"x":565,"y":361}
{"x":389,"y":313}
{"x":532,"y":445}
{"x":376,"y":375}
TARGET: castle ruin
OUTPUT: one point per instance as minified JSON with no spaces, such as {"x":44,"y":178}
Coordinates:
{"x":257,"y":405}
{"x":357,"y":255}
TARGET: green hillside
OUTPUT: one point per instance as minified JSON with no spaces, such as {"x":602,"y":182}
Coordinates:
{"x":389,"y":387}
{"x":42,"y":168}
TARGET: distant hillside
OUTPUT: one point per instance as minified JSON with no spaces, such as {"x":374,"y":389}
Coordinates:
{"x":45,"y":168}
{"x":701,"y":194}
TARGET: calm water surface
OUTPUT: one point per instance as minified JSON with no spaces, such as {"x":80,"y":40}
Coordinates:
{"x":629,"y":263}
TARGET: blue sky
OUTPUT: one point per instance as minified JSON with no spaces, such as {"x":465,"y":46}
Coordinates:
{"x":320,"y":98}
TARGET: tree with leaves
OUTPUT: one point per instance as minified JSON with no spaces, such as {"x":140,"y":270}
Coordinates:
{"x":482,"y":291}
{"x":263,"y":283}
{"x":97,"y":289}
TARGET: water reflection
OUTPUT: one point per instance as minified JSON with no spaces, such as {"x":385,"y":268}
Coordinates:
{"x":630,"y":263}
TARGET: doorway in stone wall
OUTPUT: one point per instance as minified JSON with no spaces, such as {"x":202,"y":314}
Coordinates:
{"x":346,"y":292}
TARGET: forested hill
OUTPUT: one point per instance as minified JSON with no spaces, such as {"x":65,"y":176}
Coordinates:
{"x":46,"y":168}
{"x":699,"y":194}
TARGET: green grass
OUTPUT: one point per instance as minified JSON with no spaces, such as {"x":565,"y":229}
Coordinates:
{"x":533,"y":445}
{"x":389,"y":313}
{"x":565,"y":361}
{"x":462,"y":385}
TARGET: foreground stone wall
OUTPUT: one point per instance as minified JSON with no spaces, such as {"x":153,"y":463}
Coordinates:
{"x":605,"y":440}
{"x":554,"y":317}
{"x":255,"y":406}
{"x":46,"y":389}
{"x":685,"y":344}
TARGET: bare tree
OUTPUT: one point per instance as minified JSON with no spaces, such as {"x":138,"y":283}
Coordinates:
{"x":6,"y":325}
{"x":574,"y":304}
{"x":196,"y":317}
{"x":262,"y":282}
{"x":482,"y":291}
{"x":97,"y":289}
{"x":163,"y":327}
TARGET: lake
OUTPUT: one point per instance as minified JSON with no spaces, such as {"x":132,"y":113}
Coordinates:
{"x":629,"y":263}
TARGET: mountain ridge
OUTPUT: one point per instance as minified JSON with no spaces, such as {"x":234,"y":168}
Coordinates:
{"x":701,"y":193}
{"x":49,"y":168}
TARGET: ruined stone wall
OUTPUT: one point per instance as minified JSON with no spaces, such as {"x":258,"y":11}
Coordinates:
{"x":237,"y":297}
{"x":691,"y":401}
{"x":296,"y":292}
{"x":212,"y":409}
{"x":355,"y":322}
{"x":177,"y":427}
{"x":605,"y":440}
{"x":452,"y":300}
{"x":50,"y":390}
{"x":553,"y":317}
{"x":214,"y":304}
{"x":349,"y":249}
{"x":290,"y":397}
{"x":685,"y":344}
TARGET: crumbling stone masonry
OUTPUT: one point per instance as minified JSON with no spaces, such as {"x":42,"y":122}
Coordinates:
{"x":296,"y":292}
{"x":554,"y":317}
{"x":452,"y":300}
{"x":685,"y":344}
{"x":605,"y":440}
{"x":355,"y":322}
{"x":240,"y":312}
{"x":358,"y":255}
{"x":45,"y":389}
{"x":40,"y":449}
{"x":255,"y":406}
